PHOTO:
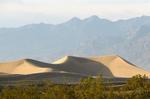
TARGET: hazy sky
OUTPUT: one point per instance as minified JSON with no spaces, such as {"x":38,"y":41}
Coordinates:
{"x":20,"y":12}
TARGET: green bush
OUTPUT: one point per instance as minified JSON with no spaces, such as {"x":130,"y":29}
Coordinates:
{"x":138,"y":82}
{"x":90,"y":88}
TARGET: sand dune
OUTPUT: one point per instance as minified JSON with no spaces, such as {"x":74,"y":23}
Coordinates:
{"x":25,"y":66}
{"x":120,"y":67}
{"x":82,"y":66}
{"x":108,"y":66}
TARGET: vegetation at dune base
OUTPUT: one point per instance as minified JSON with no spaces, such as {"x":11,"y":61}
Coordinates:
{"x":138,"y":87}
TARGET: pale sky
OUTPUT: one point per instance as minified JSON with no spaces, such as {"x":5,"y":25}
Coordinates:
{"x":20,"y":12}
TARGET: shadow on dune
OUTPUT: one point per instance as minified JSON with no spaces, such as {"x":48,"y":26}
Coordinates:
{"x":56,"y":77}
{"x":77,"y":65}
{"x":38,"y":63}
{"x":84,"y":66}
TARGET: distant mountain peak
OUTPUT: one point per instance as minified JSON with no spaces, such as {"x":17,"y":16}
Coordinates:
{"x":95,"y":18}
{"x":92,"y":18}
{"x":75,"y":19}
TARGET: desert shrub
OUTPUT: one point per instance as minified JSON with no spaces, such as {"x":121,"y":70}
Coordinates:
{"x":90,"y":88}
{"x":19,"y":93}
{"x":138,"y":82}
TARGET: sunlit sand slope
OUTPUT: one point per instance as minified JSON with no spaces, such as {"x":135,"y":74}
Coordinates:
{"x":26,"y":66}
{"x":120,"y":67}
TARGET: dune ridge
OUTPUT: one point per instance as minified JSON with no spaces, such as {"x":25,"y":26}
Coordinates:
{"x":61,"y":60}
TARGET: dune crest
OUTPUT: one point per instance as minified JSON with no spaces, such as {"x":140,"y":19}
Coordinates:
{"x":61,"y":60}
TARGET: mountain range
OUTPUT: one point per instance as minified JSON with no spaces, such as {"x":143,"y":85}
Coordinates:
{"x":129,"y":38}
